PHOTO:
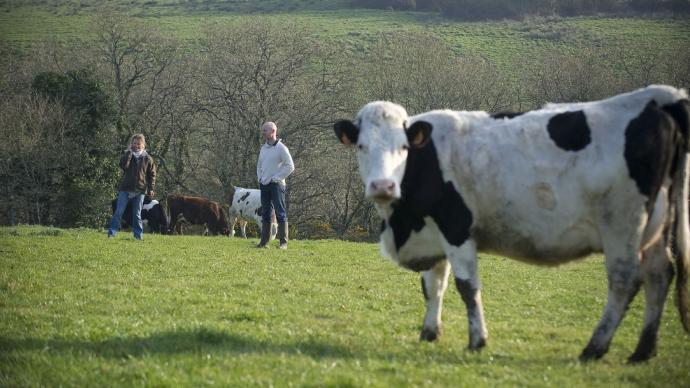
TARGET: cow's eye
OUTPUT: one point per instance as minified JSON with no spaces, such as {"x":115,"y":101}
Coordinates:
{"x":360,"y":147}
{"x":405,"y":147}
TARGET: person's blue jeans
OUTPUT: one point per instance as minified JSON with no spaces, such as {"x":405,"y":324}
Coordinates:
{"x":273,"y":197}
{"x":137,"y":203}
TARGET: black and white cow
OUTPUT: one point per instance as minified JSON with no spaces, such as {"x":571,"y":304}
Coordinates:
{"x":547,"y":187}
{"x":245,"y":204}
{"x":152,"y":214}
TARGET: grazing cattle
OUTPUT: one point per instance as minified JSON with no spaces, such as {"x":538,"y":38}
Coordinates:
{"x":245,"y":204}
{"x":547,"y":187}
{"x":152,"y":214}
{"x":198,"y":211}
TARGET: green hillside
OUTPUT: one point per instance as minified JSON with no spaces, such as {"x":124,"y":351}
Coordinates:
{"x":501,"y":41}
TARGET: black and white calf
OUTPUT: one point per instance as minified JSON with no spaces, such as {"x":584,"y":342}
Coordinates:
{"x":547,"y":187}
{"x":245,"y":204}
{"x":152,"y":214}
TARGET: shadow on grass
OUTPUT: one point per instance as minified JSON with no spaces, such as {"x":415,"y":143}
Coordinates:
{"x":204,"y":340}
{"x":201,"y":340}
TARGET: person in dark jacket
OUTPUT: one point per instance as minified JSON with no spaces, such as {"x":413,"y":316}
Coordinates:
{"x":138,"y":179}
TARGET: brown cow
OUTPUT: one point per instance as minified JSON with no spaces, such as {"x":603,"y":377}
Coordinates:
{"x":198,"y":211}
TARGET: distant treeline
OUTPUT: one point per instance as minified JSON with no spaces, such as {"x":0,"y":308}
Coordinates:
{"x":513,"y":9}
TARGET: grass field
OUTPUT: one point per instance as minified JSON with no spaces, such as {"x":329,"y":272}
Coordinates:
{"x":503,"y":42}
{"x":77,"y":309}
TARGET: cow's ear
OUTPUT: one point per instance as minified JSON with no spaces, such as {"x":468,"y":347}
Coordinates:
{"x":346,"y":132}
{"x":418,"y":134}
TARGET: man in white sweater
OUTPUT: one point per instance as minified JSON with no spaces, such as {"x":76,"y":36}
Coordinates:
{"x":274,"y":165}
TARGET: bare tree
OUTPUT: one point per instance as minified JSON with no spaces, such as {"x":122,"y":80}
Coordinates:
{"x":582,"y":75}
{"x":420,"y":72}
{"x":137,"y":57}
{"x":32,"y":159}
{"x":654,"y":64}
{"x":152,"y":78}
{"x":257,"y":70}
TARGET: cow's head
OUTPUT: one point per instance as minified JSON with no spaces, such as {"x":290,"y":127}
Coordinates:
{"x":225,"y":228}
{"x":230,"y":195}
{"x":383,"y":142}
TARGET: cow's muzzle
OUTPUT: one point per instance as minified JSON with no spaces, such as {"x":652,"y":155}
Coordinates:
{"x":382,"y":190}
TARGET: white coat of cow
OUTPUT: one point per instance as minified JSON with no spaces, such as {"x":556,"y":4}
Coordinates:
{"x":547,"y":187}
{"x":245,"y":204}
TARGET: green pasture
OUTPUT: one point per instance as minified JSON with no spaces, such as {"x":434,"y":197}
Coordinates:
{"x":503,"y":42}
{"x":78,"y":309}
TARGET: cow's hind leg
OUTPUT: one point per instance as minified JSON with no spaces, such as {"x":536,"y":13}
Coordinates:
{"x":243,"y":227}
{"x":623,"y":272}
{"x":463,"y":261}
{"x":434,"y":283}
{"x":657,"y":273}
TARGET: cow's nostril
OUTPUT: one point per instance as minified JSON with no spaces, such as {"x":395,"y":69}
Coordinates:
{"x":382,"y":188}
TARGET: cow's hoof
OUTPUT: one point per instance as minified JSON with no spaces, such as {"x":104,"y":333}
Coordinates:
{"x":430,"y":335}
{"x":478,"y":346}
{"x":638,"y":357}
{"x":591,"y":353}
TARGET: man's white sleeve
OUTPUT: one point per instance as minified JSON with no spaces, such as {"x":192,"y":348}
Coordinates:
{"x":287,"y":168}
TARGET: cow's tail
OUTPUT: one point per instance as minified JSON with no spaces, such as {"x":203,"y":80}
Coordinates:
{"x":680,"y":111}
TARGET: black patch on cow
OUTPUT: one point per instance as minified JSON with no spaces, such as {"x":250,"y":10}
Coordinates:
{"x":506,"y":115}
{"x":242,"y":198}
{"x":422,"y":263}
{"x":158,"y":221}
{"x":467,"y":292}
{"x":569,"y":130}
{"x":649,"y":146}
{"x":259,"y":211}
{"x":680,"y":112}
{"x":425,"y":194}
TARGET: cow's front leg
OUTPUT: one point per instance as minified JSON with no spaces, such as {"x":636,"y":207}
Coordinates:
{"x":434,"y":283}
{"x":463,"y":261}
{"x":232,"y":220}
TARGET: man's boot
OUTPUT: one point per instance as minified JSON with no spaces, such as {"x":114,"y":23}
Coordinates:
{"x":265,"y":234}
{"x":283,"y":234}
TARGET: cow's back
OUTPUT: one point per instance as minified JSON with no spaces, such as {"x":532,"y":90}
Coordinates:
{"x":538,"y":184}
{"x":246,"y":204}
{"x":191,"y":208}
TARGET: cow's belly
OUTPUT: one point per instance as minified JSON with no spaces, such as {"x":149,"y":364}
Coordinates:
{"x":419,"y":252}
{"x":538,"y":241}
